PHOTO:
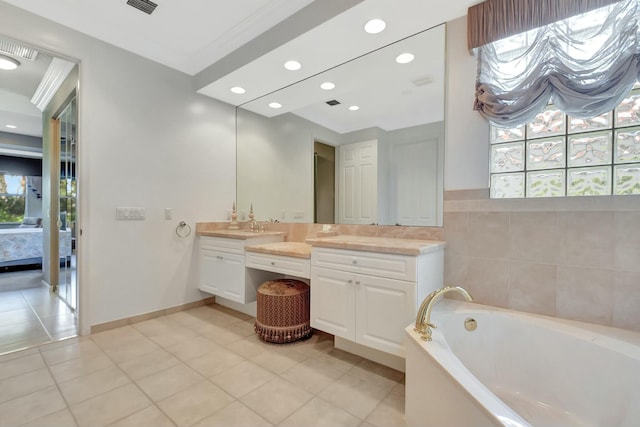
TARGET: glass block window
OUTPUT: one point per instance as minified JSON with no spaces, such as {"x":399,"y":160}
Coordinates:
{"x":557,"y":155}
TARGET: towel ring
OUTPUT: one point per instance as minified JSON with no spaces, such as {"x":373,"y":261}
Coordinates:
{"x":183,"y":226}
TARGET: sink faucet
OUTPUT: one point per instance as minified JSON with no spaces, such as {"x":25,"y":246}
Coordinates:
{"x":423,"y":319}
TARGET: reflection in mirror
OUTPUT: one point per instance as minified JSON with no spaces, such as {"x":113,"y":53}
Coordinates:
{"x":311,"y":161}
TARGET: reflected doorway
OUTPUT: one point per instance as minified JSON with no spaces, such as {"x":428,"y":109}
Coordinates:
{"x":324,"y":179}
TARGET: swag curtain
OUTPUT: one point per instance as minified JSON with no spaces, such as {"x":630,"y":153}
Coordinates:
{"x":585,"y":64}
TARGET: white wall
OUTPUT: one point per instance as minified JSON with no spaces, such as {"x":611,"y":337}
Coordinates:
{"x":275,"y":158}
{"x":145,"y":139}
{"x":467,"y":133}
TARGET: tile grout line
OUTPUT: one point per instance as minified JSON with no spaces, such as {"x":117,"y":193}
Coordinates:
{"x":37,"y":317}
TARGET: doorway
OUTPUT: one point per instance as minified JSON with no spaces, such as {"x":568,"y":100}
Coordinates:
{"x":67,"y":288}
{"x":324,"y":187}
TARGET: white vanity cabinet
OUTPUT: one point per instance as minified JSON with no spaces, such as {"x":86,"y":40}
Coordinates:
{"x":368,"y":297}
{"x":222,"y":269}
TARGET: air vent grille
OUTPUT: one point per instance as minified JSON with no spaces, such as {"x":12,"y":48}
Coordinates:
{"x":333,"y":102}
{"x":14,"y":49}
{"x":144,"y":5}
{"x":422,"y":81}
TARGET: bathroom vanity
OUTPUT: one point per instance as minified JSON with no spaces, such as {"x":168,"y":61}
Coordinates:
{"x":222,"y":261}
{"x":364,"y":290}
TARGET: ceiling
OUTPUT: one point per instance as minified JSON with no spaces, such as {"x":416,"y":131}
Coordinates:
{"x":223,"y":44}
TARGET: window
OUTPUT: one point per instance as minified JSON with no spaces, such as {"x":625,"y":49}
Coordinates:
{"x":12,"y":198}
{"x":557,"y":155}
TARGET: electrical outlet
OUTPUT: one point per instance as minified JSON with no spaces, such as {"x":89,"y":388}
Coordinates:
{"x":168,"y":214}
{"x":298,"y":215}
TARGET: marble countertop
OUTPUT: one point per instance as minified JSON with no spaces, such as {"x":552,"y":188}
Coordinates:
{"x":387,"y":245}
{"x":239,"y":234}
{"x":292,"y":249}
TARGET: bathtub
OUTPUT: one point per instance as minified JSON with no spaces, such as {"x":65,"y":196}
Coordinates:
{"x":519,"y":369}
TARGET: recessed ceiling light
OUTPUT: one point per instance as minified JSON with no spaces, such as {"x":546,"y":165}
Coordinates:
{"x":327,"y":86}
{"x":354,"y":108}
{"x":10,"y":126}
{"x":237,"y":89}
{"x":8,"y":63}
{"x":292,"y":65}
{"x":404,"y":58}
{"x":275,"y":105}
{"x":375,"y":26}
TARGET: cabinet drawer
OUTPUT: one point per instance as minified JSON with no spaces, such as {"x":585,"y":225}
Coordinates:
{"x":222,"y":244}
{"x":393,"y":266}
{"x":298,"y":267}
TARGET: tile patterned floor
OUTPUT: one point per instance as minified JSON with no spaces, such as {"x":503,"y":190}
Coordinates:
{"x":202,"y":367}
{"x":30,"y":315}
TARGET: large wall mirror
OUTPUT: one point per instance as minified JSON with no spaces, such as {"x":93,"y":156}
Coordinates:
{"x":369,"y":150}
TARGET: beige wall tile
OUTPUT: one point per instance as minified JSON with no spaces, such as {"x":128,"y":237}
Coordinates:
{"x":627,"y":241}
{"x":587,"y":239}
{"x":534,"y":237}
{"x":487,"y":281}
{"x":456,"y":270}
{"x":489,"y":234}
{"x":626,"y":300}
{"x":585,"y":294}
{"x":456,"y":233}
{"x":532,"y":288}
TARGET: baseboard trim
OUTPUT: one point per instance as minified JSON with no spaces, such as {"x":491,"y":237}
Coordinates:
{"x":101,"y":327}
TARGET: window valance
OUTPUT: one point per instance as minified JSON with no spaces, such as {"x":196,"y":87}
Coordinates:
{"x":493,"y":20}
{"x":585,"y":64}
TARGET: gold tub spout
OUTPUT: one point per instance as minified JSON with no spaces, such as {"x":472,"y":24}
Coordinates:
{"x":423,"y":319}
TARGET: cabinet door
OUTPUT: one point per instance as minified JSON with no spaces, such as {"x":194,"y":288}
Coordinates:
{"x":384,"y":307}
{"x":222,"y":274}
{"x":333,"y":302}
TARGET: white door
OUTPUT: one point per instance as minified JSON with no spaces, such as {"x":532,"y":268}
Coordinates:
{"x":357,"y":185}
{"x":333,"y":302}
{"x":384,"y":307}
{"x":414,"y":183}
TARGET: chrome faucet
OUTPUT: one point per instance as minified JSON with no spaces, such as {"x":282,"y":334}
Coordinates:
{"x":423,"y":319}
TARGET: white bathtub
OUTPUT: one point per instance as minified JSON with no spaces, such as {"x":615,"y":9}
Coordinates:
{"x":518,"y":369}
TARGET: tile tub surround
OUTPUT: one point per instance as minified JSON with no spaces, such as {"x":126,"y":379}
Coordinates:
{"x":575,"y":258}
{"x":200,"y":367}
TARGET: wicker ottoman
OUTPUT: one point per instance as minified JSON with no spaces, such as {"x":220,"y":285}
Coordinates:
{"x":283,"y":311}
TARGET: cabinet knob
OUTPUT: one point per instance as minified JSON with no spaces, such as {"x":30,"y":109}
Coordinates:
{"x":273,"y":263}
{"x":349,"y":281}
{"x":357,"y":282}
{"x":354,"y":261}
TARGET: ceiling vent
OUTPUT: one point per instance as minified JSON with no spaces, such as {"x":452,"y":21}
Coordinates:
{"x":333,"y":102}
{"x":422,"y":81}
{"x":16,"y":50}
{"x":144,"y":5}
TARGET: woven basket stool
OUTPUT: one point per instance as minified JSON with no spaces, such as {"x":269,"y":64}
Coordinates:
{"x":283,"y":311}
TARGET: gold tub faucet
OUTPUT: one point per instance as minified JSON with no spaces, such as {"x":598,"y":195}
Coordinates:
{"x":423,"y":319}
